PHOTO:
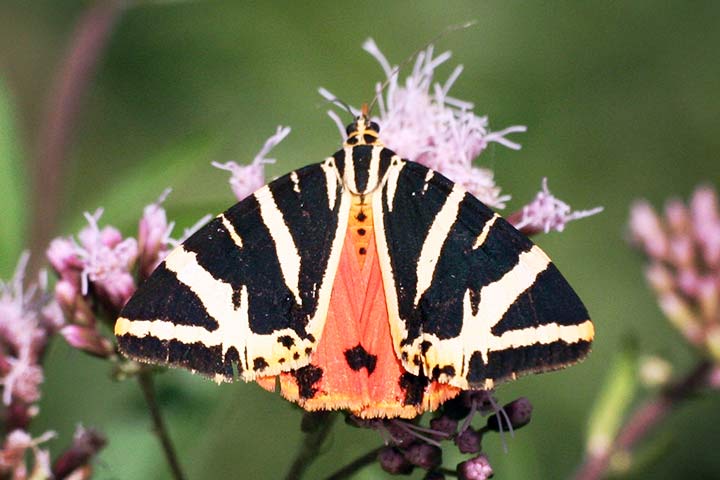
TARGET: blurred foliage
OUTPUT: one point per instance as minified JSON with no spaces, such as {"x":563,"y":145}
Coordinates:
{"x":619,"y":99}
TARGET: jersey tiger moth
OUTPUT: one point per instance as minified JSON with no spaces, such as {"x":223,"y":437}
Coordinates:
{"x":366,"y":282}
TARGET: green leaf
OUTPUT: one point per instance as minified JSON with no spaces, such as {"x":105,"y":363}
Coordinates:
{"x":613,"y":401}
{"x":13,"y":188}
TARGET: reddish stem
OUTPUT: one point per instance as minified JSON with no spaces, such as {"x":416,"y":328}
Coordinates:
{"x":76,"y":70}
{"x":645,"y":419}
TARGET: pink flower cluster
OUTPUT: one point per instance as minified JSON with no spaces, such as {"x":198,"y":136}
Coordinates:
{"x":13,"y":453}
{"x":422,"y":122}
{"x":245,"y":179}
{"x":683,"y":250}
{"x":547,"y":213}
{"x":101,"y":269}
{"x":28,"y":317}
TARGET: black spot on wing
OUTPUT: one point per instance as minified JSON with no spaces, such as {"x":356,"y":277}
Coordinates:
{"x":535,"y":358}
{"x":550,"y":299}
{"x":286,"y":341}
{"x":358,"y":358}
{"x":163,"y":297}
{"x":306,"y":378}
{"x":259,"y":363}
{"x":414,"y":387}
{"x":447,"y":370}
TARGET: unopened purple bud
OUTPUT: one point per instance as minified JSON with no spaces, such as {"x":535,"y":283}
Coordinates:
{"x":477,"y":468}
{"x":424,"y":455}
{"x":518,"y":412}
{"x":444,"y":424}
{"x":481,"y":400}
{"x":469,"y":441}
{"x":86,"y":445}
{"x":393,"y":461}
{"x":87,"y":339}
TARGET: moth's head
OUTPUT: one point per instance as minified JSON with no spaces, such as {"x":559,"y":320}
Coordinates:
{"x":362,"y":167}
{"x":362,"y":131}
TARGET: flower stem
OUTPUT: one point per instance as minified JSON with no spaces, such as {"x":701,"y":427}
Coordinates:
{"x":71,"y":81}
{"x":352,"y":467}
{"x":311,"y":444}
{"x":145,"y":378}
{"x":645,"y":418}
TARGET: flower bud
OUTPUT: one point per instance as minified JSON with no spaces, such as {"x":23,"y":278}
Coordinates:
{"x":469,"y":441}
{"x":477,"y":468}
{"x":518,"y":413}
{"x":424,"y":455}
{"x":87,"y":339}
{"x":393,"y":461}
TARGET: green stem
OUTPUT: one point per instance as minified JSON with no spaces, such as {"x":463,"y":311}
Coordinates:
{"x":313,"y":441}
{"x":352,"y":467}
{"x":145,"y":378}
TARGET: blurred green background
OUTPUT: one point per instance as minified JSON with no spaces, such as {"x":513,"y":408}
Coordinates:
{"x":621,"y":100}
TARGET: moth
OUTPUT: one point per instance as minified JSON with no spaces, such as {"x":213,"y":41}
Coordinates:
{"x":365,"y":282}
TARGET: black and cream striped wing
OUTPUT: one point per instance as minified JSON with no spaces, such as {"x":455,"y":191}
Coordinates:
{"x":250,"y":288}
{"x":471,"y":300}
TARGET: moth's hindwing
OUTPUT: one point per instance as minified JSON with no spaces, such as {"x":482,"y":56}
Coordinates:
{"x":251,"y":288}
{"x":471,"y":301}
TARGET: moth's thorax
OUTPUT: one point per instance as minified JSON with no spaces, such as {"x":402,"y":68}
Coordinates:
{"x":362,"y":168}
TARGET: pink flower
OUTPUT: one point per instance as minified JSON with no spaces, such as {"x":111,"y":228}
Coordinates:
{"x":546,"y":213}
{"x":106,"y":261}
{"x":422,"y":122}
{"x":28,"y":316}
{"x":12,"y":455}
{"x":245,"y":179}
{"x":153,"y":235}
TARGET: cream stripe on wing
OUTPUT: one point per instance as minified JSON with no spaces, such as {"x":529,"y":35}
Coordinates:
{"x":285,"y":249}
{"x":373,"y":179}
{"x":485,"y":231}
{"x":231,"y":229}
{"x":497,"y":297}
{"x":349,"y":171}
{"x":392,"y":179}
{"x":435,"y":239}
{"x":331,"y":179}
{"x":428,"y":177}
{"x":543,"y":334}
{"x":215,"y":296}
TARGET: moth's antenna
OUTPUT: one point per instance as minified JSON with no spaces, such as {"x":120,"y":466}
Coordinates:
{"x":335,"y":100}
{"x":447,"y":30}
